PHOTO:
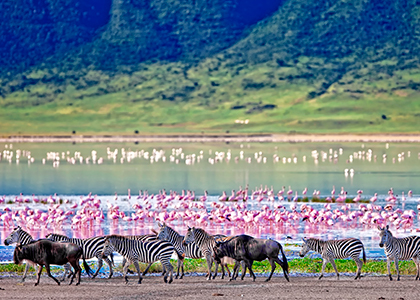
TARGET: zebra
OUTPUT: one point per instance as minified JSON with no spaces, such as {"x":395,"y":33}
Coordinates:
{"x":92,"y":247}
{"x":142,"y":238}
{"x":400,"y":249}
{"x":205,"y":242}
{"x":147,"y":252}
{"x":190,"y":250}
{"x":20,"y":236}
{"x":332,"y":249}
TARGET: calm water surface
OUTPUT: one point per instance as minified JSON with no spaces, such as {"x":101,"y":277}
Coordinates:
{"x":71,"y":170}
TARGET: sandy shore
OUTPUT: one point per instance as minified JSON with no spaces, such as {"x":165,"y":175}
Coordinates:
{"x":371,"y":287}
{"x":195,"y":138}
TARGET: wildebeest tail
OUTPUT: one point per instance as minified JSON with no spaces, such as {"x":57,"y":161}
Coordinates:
{"x":86,"y":266}
{"x":285,"y":264}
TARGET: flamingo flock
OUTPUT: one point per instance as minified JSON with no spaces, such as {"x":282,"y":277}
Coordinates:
{"x":263,"y":208}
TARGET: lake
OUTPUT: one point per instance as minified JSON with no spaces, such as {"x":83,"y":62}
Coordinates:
{"x":109,"y":171}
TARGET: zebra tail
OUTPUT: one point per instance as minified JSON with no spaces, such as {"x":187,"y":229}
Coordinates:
{"x":364,"y":254}
{"x":111,"y":256}
{"x":86,"y":266}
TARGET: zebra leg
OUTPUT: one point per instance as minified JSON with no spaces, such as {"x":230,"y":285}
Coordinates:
{"x":167,"y":266}
{"x":182,"y":269}
{"x":217,"y":268}
{"x":125,"y":268}
{"x":26,"y":271}
{"x":359,"y":264}
{"x":180,"y":264}
{"x":324,"y":263}
{"x":417,"y":263}
{"x":147,"y":269}
{"x":396,"y":267}
{"x":335,"y":268}
{"x":209,"y":265}
{"x":123,"y":263}
{"x":67,"y":269}
{"x":388,"y":265}
{"x":110,"y":267}
{"x":100,"y":263}
{"x":136,"y":264}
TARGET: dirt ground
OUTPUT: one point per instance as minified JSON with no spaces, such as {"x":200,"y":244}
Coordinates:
{"x":197,"y":287}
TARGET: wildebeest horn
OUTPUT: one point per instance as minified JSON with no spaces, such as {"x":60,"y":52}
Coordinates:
{"x":379,"y":228}
{"x":155,"y":232}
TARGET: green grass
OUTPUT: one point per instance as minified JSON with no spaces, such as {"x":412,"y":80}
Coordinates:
{"x":160,"y":99}
{"x":304,"y":265}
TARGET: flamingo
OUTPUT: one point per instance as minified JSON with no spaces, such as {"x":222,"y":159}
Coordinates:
{"x":374,"y":198}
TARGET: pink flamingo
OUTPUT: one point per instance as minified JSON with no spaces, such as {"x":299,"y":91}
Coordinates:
{"x":224,"y":197}
{"x":374,"y":198}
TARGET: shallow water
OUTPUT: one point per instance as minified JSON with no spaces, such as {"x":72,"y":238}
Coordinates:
{"x":215,"y":168}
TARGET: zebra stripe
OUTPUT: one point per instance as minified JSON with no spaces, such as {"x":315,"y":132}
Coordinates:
{"x":205,"y":243}
{"x":400,"y":249}
{"x":332,"y":249}
{"x":146,"y":252}
{"x":191,"y":250}
{"x":18,"y":235}
{"x":92,"y":247}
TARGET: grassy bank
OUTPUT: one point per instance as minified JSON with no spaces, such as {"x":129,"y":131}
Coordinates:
{"x":305,"y":265}
{"x":159,"y":99}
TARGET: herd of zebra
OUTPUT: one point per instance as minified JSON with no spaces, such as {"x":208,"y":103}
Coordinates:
{"x":160,"y":246}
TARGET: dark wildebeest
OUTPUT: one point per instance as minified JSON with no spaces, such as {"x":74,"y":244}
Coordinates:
{"x":248,"y":249}
{"x":46,"y":252}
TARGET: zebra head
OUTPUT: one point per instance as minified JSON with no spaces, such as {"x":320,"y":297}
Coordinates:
{"x":384,"y":234}
{"x":305,"y":248}
{"x":14,"y":236}
{"x":189,"y":237}
{"x":163,"y":233}
{"x":106,"y":248}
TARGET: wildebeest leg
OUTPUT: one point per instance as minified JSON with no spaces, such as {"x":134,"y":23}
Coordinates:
{"x":217,"y":268}
{"x":77,"y":271}
{"x":277,"y":260}
{"x":388,"y":265}
{"x":47,"y":268}
{"x":273,"y":267}
{"x":39,"y":274}
{"x":249,"y":266}
{"x":235,"y":271}
{"x":136,"y":264}
{"x":396,"y":267}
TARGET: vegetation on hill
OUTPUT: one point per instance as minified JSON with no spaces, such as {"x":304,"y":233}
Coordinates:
{"x":196,"y":66}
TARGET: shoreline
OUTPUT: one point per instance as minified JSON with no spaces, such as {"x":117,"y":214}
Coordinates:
{"x":225,"y":138}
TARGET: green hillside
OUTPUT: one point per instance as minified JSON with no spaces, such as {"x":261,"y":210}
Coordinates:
{"x":190,"y":66}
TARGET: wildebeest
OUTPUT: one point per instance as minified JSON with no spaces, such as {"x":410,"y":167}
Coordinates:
{"x":46,"y":252}
{"x":248,"y":249}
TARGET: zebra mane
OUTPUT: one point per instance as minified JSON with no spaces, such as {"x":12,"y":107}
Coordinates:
{"x":22,"y":232}
{"x":59,"y":235}
{"x":201,"y":231}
